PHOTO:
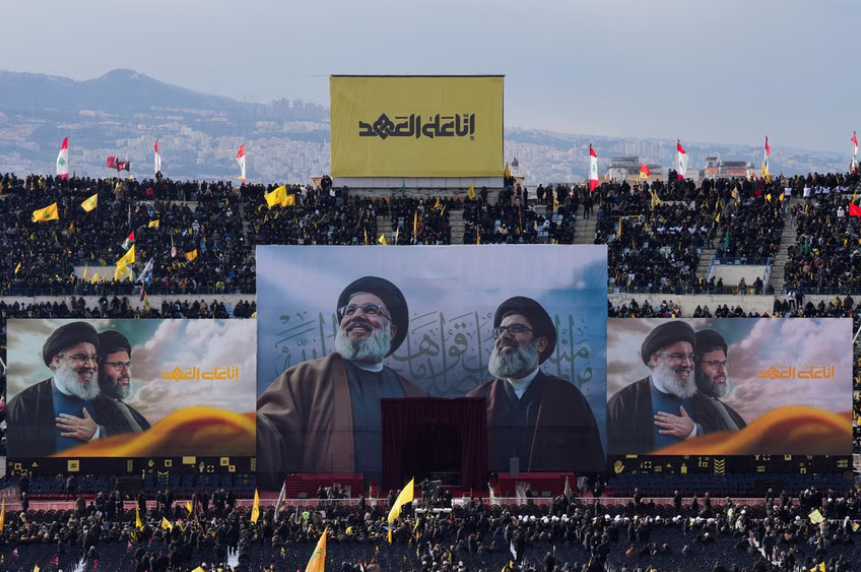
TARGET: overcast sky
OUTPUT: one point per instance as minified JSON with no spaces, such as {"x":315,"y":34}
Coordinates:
{"x":709,"y":71}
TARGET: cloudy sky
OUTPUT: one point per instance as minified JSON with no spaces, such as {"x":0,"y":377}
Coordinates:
{"x":729,"y":71}
{"x":754,"y":344}
{"x":157,"y":346}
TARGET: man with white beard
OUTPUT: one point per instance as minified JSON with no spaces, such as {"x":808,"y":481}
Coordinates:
{"x":66,"y":409}
{"x":323,"y":415}
{"x":115,"y":380}
{"x":664,"y":408}
{"x":543,"y":420}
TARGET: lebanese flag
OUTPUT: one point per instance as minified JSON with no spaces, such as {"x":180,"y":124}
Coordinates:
{"x":682,"y":163}
{"x":644,"y":171}
{"x":854,"y":168}
{"x":63,"y":160}
{"x":240,"y":158}
{"x":593,"y":169}
{"x":157,"y":159}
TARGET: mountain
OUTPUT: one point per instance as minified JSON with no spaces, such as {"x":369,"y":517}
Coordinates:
{"x":117,"y":91}
{"x":122,"y":112}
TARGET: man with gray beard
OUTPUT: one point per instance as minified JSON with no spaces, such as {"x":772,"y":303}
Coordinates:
{"x":664,"y":408}
{"x":712,"y":381}
{"x":541,"y":419}
{"x":66,"y":409}
{"x":115,"y":380}
{"x":323,"y":415}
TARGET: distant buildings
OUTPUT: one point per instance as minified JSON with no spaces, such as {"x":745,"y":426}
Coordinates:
{"x":718,"y":169}
{"x":628,"y":169}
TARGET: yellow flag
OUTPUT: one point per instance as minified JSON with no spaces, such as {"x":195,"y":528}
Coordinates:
{"x":768,"y":197}
{"x":36,"y":568}
{"x":382,"y":240}
{"x":471,"y":192}
{"x":17,"y":268}
{"x":289,"y":201}
{"x":191,"y":255}
{"x":91,"y":203}
{"x":816,"y":516}
{"x":436,"y":204}
{"x":154,"y":223}
{"x":781,"y":197}
{"x":46,"y":214}
{"x":138,"y":523}
{"x":255,"y":510}
{"x":198,"y":569}
{"x":188,"y":507}
{"x":415,"y":223}
{"x":276,"y":197}
{"x":507,"y":172}
{"x":405,"y":497}
{"x":96,"y":278}
{"x":317,"y":563}
{"x":2,"y":514}
{"x":123,"y":263}
{"x":165,"y":524}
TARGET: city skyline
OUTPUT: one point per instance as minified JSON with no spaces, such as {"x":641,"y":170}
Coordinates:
{"x":753,"y":74}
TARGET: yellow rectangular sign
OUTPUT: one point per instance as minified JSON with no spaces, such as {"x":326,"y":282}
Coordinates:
{"x":417,"y":126}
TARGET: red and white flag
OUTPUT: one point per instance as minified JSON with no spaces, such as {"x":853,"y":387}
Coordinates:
{"x":157,"y":159}
{"x":854,"y":166}
{"x":682,"y":162}
{"x":593,"y":169}
{"x":63,"y":160}
{"x":240,"y":158}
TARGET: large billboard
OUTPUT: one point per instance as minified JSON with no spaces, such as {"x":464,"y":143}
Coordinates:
{"x":340,"y":329}
{"x":416,"y":126}
{"x":730,"y":386}
{"x":131,"y":388}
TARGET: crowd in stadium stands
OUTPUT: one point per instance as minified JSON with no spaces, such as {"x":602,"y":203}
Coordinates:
{"x":513,"y":220}
{"x":827,"y":250}
{"x":776,"y":533}
{"x":655,"y":233}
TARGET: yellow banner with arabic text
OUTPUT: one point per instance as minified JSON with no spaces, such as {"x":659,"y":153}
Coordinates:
{"x":417,"y":126}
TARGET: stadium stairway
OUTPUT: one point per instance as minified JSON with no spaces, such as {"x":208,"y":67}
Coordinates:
{"x":706,"y":257}
{"x":455,"y":219}
{"x":584,"y":230}
{"x":786,"y":239}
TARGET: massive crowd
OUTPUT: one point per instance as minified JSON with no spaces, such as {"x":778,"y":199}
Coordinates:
{"x":775,"y":532}
{"x":656,"y":234}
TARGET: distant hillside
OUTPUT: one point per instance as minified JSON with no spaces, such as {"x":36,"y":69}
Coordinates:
{"x":116,"y":91}
{"x":123,"y":112}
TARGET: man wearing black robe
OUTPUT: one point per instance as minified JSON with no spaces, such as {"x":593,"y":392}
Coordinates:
{"x":542,"y":419}
{"x":664,"y":408}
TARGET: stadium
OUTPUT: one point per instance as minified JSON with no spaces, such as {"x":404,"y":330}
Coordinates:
{"x":187,"y":386}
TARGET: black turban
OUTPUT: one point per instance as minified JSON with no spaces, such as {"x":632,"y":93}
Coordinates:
{"x":68,"y":336}
{"x":539,"y":319}
{"x":392,"y":298}
{"x":666,"y":335}
{"x":709,"y":341}
{"x":111,"y":341}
